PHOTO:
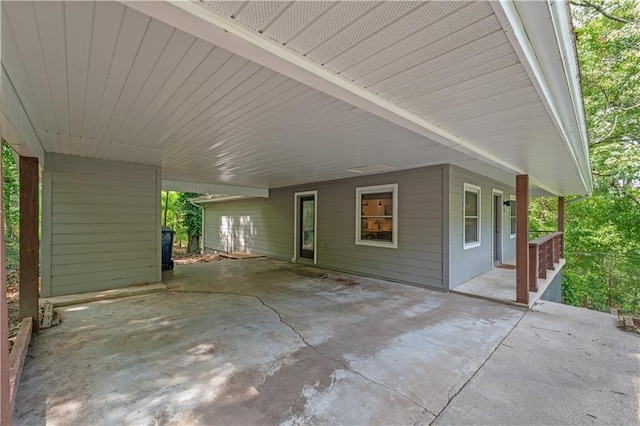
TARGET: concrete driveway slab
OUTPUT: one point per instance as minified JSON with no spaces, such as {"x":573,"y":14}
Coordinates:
{"x":261,"y":341}
{"x":560,"y":365}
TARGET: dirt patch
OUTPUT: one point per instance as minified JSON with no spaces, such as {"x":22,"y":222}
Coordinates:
{"x":212,"y":257}
{"x":308,"y":272}
{"x":180,"y":256}
{"x":12,"y":304}
{"x":347,"y":282}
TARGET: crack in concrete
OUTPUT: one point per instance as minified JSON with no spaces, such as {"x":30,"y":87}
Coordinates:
{"x":450,"y":397}
{"x":313,"y":348}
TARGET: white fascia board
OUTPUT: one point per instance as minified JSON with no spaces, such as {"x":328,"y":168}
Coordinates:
{"x":203,"y":23}
{"x":562,"y":21}
{"x":544,"y":46}
{"x":214,"y":188}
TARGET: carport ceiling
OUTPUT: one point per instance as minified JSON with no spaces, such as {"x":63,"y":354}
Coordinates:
{"x":105,"y":80}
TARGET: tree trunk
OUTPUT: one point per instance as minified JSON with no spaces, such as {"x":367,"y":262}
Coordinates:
{"x":166,"y":208}
{"x":193,"y":246}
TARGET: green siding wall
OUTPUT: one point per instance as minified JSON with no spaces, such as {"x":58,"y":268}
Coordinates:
{"x":265,"y":226}
{"x":100,"y":225}
{"x":466,"y":264}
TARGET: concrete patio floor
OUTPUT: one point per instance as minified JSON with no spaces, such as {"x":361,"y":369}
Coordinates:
{"x":262,"y":341}
{"x":499,"y":284}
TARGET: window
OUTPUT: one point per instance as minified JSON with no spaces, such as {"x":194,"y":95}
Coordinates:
{"x":512,"y":215}
{"x":471,"y":216}
{"x":377,"y":216}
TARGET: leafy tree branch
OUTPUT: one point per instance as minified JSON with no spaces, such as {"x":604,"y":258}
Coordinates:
{"x":600,"y":10}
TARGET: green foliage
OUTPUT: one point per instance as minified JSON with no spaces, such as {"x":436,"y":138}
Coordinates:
{"x":603,"y":232}
{"x":191,"y":215}
{"x":182,"y":216}
{"x":11,"y":199}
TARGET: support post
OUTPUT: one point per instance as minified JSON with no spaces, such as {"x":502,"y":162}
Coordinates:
{"x":561,"y":224}
{"x":29,"y":245}
{"x":522,"y":239}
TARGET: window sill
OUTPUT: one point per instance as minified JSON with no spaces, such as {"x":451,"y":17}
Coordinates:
{"x":374,"y":243}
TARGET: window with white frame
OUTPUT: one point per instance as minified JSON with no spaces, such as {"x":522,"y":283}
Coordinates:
{"x":377,"y":216}
{"x":471,"y":216}
{"x":512,"y":215}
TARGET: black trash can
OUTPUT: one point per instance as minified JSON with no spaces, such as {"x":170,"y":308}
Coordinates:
{"x":167,"y":247}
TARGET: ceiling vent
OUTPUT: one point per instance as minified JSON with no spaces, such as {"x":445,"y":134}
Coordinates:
{"x":371,"y":169}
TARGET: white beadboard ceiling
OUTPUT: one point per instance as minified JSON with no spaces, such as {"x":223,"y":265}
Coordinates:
{"x":104,"y":80}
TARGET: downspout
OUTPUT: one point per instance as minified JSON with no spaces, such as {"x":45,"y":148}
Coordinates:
{"x":201,"y":225}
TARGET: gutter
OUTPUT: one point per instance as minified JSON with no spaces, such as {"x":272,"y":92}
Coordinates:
{"x":533,"y":27}
{"x":575,"y":200}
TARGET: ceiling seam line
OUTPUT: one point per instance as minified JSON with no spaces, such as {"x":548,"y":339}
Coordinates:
{"x":422,"y":48}
{"x":444,"y":68}
{"x":234,"y":130}
{"x":126,"y":79}
{"x":340,"y":30}
{"x":240,"y":9}
{"x":196,"y":90}
{"x":37,"y":104}
{"x":273,"y":19}
{"x":124,"y":12}
{"x":488,"y":90}
{"x":66,"y":63}
{"x":379,"y":30}
{"x":309,"y":24}
{"x":86,"y":74}
{"x":239,"y":107}
{"x":211,"y":129}
{"x":446,"y":15}
{"x":133,"y":125}
{"x":153,"y":68}
{"x":173,"y":93}
{"x":165,"y":136}
{"x":464,"y":81}
{"x":35,"y":132}
{"x":248,"y":130}
{"x":44,"y":62}
{"x":219,"y":99}
{"x":449,"y":111}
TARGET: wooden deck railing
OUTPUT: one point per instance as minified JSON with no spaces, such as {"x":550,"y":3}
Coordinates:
{"x":544,"y":252}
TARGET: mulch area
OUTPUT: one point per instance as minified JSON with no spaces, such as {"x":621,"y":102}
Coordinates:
{"x":180,"y":256}
{"x":12,"y":303}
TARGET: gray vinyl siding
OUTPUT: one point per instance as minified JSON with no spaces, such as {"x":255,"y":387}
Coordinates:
{"x":100,"y":222}
{"x":267,"y":227}
{"x":466,"y":264}
{"x":258,"y":225}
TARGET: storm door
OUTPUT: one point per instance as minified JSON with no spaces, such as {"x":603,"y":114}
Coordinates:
{"x":306,"y":227}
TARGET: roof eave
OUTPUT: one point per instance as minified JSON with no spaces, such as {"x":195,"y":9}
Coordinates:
{"x":555,"y":71}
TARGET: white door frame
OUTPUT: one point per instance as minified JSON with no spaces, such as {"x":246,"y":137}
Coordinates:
{"x":296,"y":197}
{"x":497,"y":216}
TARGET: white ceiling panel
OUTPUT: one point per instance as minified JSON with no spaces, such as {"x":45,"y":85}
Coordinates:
{"x":360,"y":29}
{"x":329,"y":23}
{"x":104,"y":80}
{"x":393,"y":34}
